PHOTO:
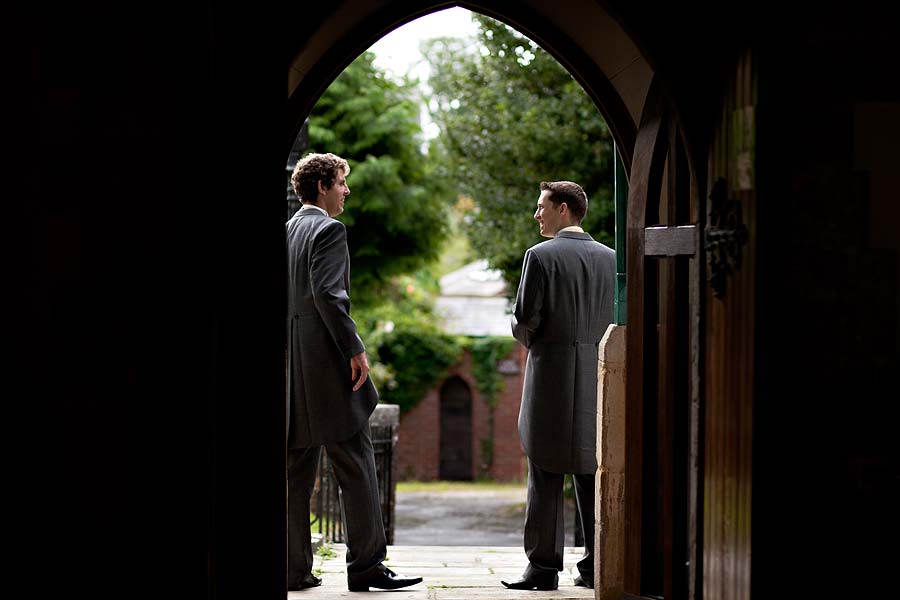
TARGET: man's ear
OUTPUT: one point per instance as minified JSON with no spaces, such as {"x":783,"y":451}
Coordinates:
{"x":563,"y":209}
{"x":322,"y":188}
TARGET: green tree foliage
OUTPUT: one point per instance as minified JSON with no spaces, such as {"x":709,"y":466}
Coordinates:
{"x":510,"y":117}
{"x":396,"y":214}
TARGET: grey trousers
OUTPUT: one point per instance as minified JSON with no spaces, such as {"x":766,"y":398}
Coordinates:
{"x":353,"y":461}
{"x":545,"y":527}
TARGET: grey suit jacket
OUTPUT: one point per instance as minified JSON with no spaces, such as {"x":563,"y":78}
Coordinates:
{"x":563,"y":306}
{"x":321,"y":335}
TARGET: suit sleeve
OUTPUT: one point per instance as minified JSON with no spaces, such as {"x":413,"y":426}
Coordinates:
{"x":328,"y":265}
{"x":529,"y":300}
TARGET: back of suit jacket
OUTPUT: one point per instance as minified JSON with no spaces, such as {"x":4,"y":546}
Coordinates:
{"x":321,"y":335}
{"x":563,"y":308}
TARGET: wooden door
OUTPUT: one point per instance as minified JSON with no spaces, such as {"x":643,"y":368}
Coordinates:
{"x":456,"y":430}
{"x":663,"y":364}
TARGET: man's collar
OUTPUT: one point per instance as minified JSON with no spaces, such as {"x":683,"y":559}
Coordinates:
{"x":572,"y":228}
{"x":574,"y":235}
{"x":314,"y":207}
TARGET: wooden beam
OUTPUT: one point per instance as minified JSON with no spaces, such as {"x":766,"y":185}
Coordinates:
{"x":680,"y":240}
{"x":644,"y":188}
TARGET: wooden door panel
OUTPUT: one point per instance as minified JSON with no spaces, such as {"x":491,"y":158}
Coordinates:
{"x":689,"y":395}
{"x":456,"y":430}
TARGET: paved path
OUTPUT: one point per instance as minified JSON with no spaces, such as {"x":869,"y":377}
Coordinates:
{"x":474,"y":517}
{"x":450,"y":573}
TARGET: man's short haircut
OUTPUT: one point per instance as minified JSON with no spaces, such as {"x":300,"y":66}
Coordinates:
{"x":570,"y":193}
{"x":312,"y":169}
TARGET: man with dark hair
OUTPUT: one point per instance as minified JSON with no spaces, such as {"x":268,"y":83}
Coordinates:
{"x":563,"y":307}
{"x":330,"y":395}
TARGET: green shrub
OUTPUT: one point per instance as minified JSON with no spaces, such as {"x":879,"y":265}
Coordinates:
{"x":417,"y":356}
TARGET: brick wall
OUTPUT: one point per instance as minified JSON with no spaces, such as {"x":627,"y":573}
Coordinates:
{"x":418,"y":445}
{"x":418,"y":448}
{"x":509,"y":458}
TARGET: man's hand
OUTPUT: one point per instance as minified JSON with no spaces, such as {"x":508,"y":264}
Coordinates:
{"x":359,"y":367}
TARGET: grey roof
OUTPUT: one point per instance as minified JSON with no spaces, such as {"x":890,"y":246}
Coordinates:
{"x":474,"y":279}
{"x":473,"y":301}
{"x":474,"y":316}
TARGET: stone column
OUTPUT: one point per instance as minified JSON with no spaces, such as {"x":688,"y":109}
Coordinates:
{"x":385,"y":415}
{"x":609,"y":544}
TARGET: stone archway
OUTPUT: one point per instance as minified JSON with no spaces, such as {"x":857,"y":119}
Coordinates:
{"x":583,"y":37}
{"x":613,"y":71}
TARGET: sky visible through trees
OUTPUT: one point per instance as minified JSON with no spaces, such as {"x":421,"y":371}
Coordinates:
{"x":503,"y":115}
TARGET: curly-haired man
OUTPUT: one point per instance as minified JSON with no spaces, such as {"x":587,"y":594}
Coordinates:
{"x":329,"y":390}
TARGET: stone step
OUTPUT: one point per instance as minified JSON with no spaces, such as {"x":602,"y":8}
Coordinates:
{"x":450,"y":573}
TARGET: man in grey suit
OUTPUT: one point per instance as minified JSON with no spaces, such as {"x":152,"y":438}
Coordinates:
{"x":563,"y":306}
{"x":329,"y":390}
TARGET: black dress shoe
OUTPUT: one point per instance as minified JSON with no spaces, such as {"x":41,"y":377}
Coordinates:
{"x":383,"y":580}
{"x":584,"y":582}
{"x":307,"y":582}
{"x":534,"y":583}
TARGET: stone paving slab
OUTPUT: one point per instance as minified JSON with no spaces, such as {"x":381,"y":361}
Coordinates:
{"x":450,"y":572}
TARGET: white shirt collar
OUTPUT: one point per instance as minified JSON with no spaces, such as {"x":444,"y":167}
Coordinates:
{"x":572,"y":228}
{"x":314,"y":207}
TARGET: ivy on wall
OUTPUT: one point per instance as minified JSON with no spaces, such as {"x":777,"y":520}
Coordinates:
{"x":486,"y":355}
{"x":487,"y":352}
{"x":413,"y":359}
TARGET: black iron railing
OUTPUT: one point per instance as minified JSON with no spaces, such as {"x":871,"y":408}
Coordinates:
{"x":327,"y":507}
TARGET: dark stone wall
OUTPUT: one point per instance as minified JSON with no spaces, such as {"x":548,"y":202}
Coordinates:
{"x":825,"y":461}
{"x":144,"y":213}
{"x":143,"y":220}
